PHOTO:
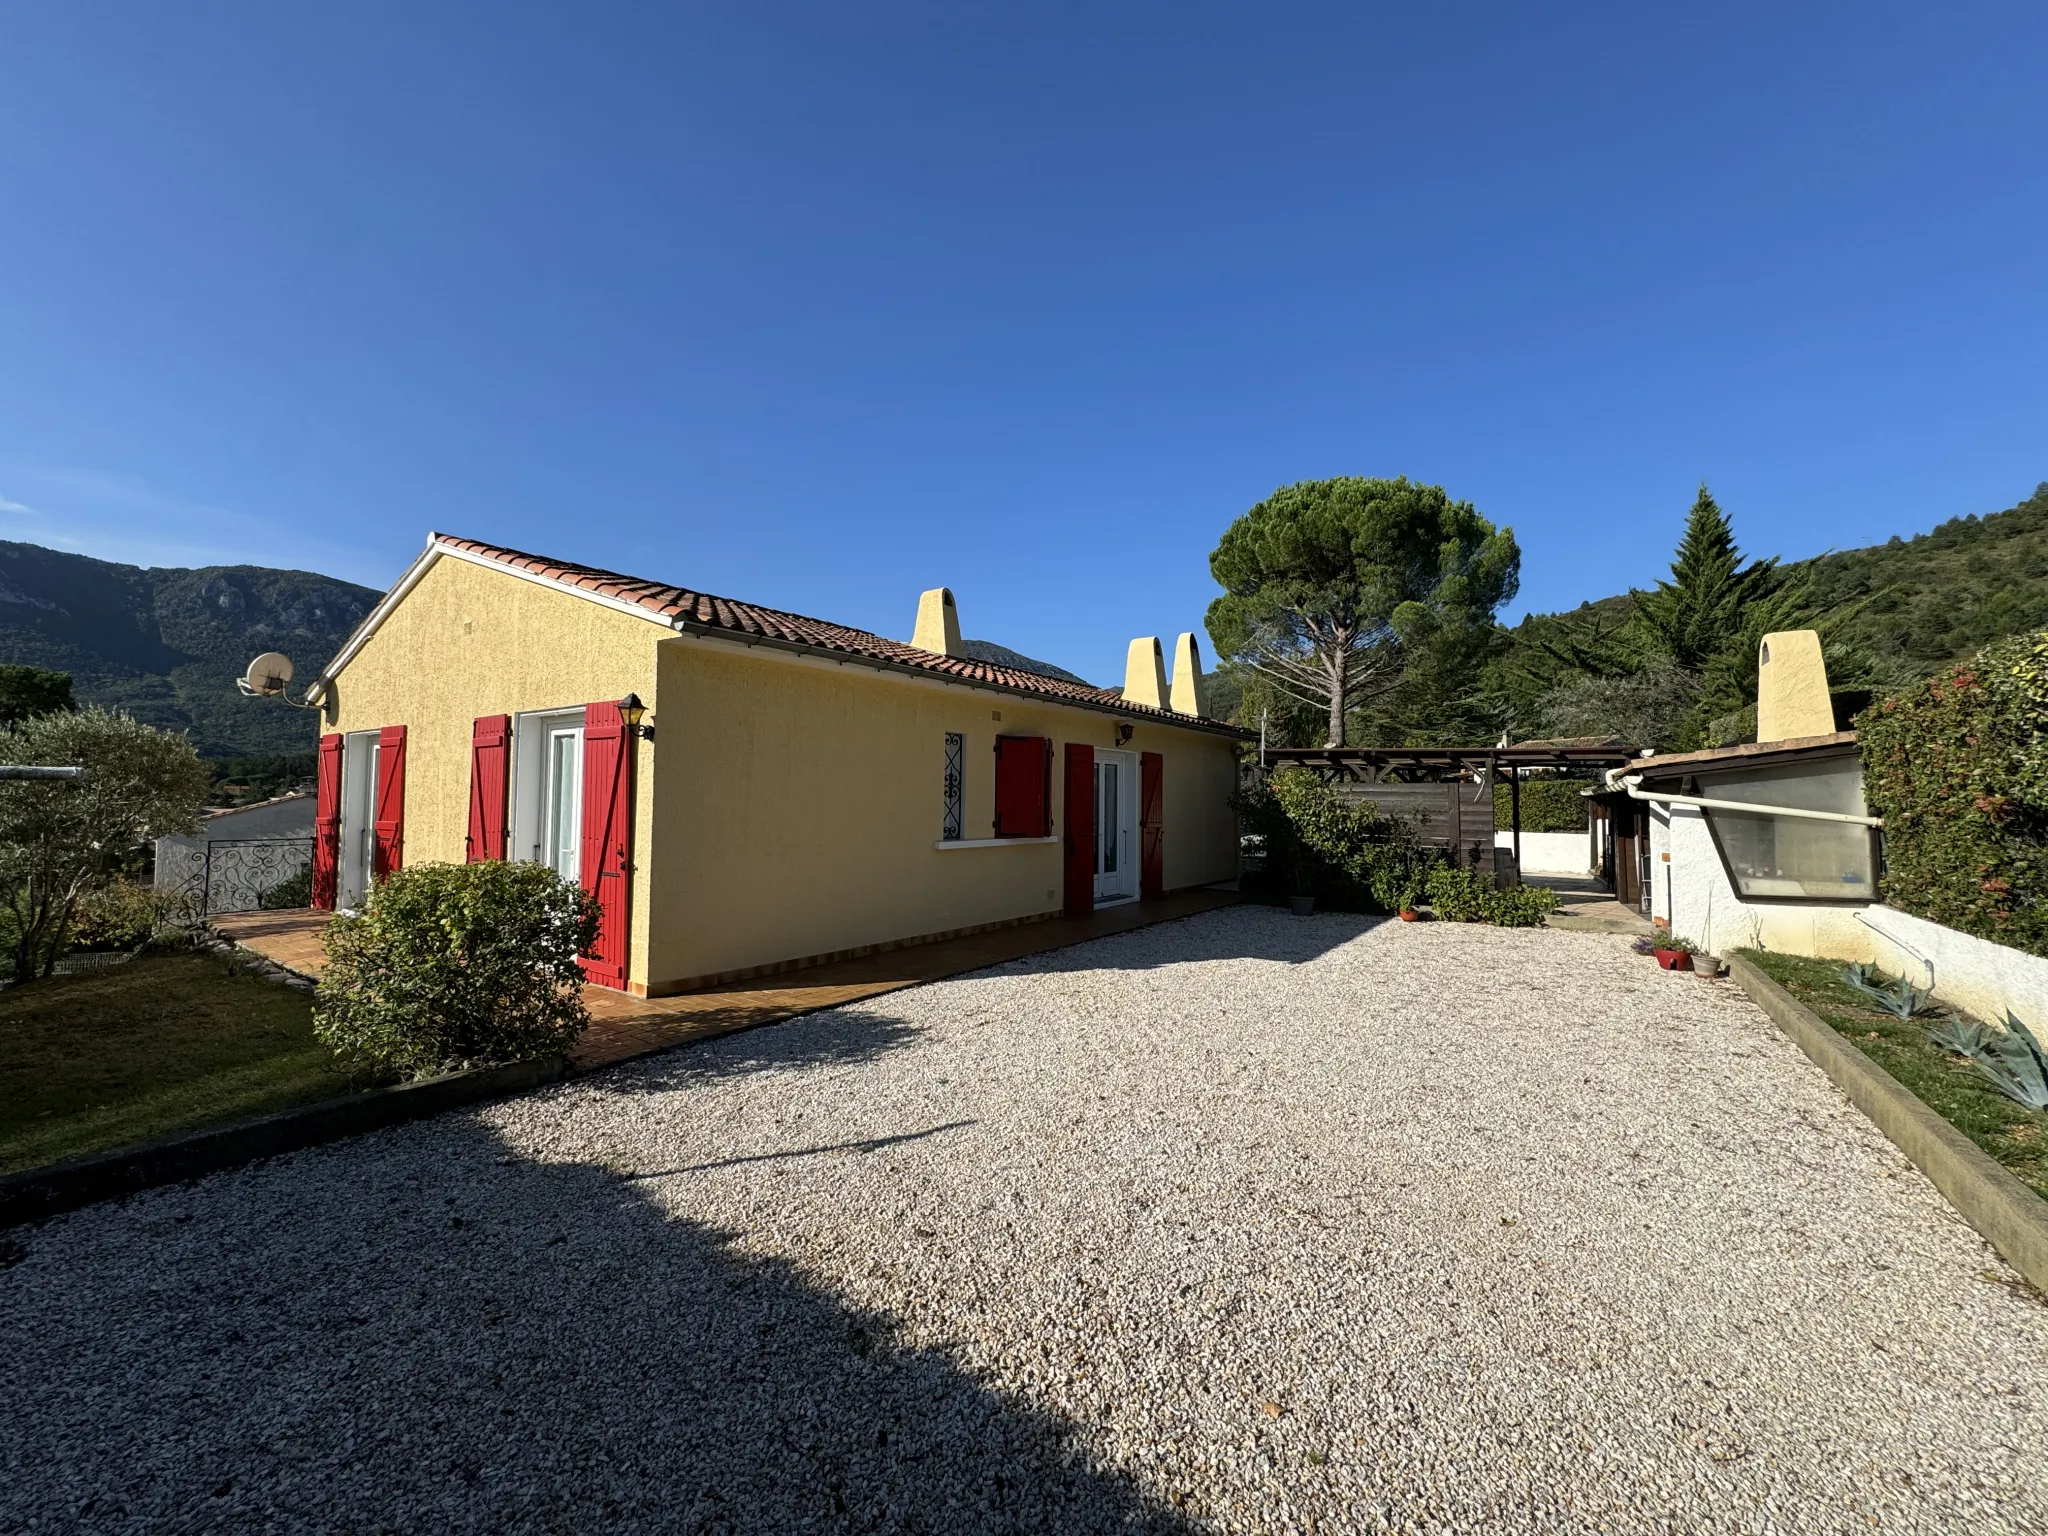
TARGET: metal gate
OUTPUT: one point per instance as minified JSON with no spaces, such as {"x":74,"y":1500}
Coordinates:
{"x":243,"y":874}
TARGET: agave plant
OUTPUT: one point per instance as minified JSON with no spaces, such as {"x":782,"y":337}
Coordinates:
{"x":1966,"y":1037}
{"x":2017,"y":1065}
{"x":1900,"y":997}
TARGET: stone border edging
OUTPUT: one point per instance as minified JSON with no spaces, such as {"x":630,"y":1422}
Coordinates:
{"x":42,"y":1192}
{"x":2007,"y":1214}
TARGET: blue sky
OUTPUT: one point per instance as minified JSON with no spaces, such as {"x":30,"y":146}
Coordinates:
{"x":819,"y":306}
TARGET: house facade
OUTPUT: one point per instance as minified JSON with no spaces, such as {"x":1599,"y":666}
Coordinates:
{"x":744,"y":789}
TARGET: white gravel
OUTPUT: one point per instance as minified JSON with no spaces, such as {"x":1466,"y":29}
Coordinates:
{"x":1249,"y":1221}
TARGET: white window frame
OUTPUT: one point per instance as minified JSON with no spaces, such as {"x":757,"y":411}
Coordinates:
{"x":533,"y":734}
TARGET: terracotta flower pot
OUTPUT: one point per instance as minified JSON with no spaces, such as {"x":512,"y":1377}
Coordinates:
{"x":1673,"y":959}
{"x":1410,"y":915}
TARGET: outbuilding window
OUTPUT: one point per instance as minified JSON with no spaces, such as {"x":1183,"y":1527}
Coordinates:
{"x":1795,"y":858}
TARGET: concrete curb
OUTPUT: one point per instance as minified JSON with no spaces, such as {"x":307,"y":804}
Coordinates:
{"x":2007,"y":1214}
{"x":67,"y":1186}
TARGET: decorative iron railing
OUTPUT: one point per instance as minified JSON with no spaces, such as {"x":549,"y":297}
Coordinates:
{"x":240,"y":874}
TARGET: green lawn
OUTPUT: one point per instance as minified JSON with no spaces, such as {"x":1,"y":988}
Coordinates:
{"x":151,"y":1048}
{"x":1946,"y":1083}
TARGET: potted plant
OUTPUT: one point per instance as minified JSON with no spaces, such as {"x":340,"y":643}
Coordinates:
{"x":1672,"y":952}
{"x":1300,"y":897}
{"x":1410,"y":904}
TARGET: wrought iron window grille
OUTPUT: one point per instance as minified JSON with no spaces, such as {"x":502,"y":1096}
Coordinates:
{"x":956,"y":788}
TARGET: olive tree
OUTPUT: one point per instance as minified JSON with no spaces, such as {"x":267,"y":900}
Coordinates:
{"x":60,"y":838}
{"x":1328,"y":584}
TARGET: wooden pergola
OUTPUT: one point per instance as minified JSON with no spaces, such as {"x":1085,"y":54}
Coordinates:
{"x":1370,"y":765}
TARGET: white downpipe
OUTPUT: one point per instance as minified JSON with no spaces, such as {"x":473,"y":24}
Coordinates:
{"x":1632,"y":785}
{"x":1894,"y":940}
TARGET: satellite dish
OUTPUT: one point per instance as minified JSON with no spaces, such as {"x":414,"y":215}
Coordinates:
{"x":268,"y":674}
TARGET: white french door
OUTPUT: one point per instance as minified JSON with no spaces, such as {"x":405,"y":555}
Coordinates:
{"x":1116,"y":827}
{"x":359,"y":751}
{"x":564,"y":844}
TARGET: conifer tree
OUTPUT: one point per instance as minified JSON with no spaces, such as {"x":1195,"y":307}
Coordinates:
{"x":1704,"y":608}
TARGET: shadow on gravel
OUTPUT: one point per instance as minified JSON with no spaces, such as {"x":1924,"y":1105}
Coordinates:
{"x":417,"y":1332}
{"x":846,"y":1036}
{"x":1246,"y":932}
{"x":873,"y":1144}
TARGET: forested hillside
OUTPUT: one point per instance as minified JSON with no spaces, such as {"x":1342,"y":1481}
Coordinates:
{"x":1941,"y":596}
{"x":1675,"y":665}
{"x":166,"y":644}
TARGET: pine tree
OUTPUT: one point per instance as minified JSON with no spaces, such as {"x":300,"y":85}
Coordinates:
{"x":1704,"y":608}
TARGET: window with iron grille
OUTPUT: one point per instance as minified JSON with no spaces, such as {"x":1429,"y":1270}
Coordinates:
{"x":956,"y":787}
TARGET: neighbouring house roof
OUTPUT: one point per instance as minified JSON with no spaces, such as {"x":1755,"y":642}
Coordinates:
{"x":1526,"y":754}
{"x":702,"y":613}
{"x":1589,"y":742}
{"x":254,"y":805}
{"x":1745,"y":753}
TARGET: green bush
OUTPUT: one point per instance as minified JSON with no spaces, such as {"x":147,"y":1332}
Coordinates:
{"x":1548,"y":805}
{"x":1958,"y":769}
{"x":1460,"y":896}
{"x":1342,"y":852}
{"x":124,"y":915}
{"x":294,"y":891}
{"x":454,"y":965}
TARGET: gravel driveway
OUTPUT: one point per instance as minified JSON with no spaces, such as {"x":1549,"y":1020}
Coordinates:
{"x":1247,"y":1221}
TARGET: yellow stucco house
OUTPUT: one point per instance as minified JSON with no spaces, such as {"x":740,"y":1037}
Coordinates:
{"x":747,"y":790}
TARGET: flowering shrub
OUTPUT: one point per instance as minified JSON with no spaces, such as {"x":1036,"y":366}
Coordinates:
{"x":1958,"y":769}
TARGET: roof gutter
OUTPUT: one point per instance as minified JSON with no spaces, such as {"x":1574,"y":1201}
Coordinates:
{"x":1632,"y":786}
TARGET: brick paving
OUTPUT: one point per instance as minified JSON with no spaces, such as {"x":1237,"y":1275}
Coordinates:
{"x":622,"y":1026}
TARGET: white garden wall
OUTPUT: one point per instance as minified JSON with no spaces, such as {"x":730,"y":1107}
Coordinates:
{"x":1963,"y":970}
{"x":1551,"y":853}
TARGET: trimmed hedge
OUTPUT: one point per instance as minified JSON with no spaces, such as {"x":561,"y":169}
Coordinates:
{"x":1460,"y":896}
{"x":1548,"y":805}
{"x":1958,"y":769}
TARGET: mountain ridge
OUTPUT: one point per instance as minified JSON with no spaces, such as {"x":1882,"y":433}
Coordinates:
{"x":166,"y":643}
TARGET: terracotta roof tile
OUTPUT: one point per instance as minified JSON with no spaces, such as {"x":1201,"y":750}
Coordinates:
{"x":722,"y":613}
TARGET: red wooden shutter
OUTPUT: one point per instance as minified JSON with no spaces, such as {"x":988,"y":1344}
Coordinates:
{"x":1023,"y":786}
{"x":1151,"y":824}
{"x":607,"y":837}
{"x":1080,"y":814}
{"x":490,"y":744}
{"x":389,"y":856}
{"x":327,"y":824}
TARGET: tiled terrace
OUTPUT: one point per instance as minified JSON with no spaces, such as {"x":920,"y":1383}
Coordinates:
{"x":622,"y":1027}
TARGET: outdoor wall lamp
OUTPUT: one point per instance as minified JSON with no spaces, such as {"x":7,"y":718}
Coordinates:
{"x":631,"y":710}
{"x":1123,"y":733}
